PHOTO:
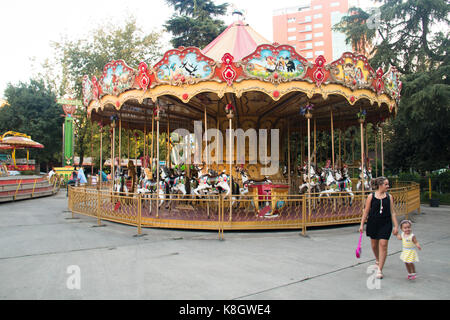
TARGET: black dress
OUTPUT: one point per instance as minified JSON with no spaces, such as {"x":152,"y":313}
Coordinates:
{"x":379,"y":224}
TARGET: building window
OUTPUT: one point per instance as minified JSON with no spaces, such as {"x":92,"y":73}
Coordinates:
{"x":307,"y":19}
{"x":307,"y":28}
{"x":318,"y":44}
{"x":309,"y":55}
{"x":318,"y":25}
{"x":306,"y":38}
{"x":291,"y":38}
{"x":291,"y":30}
{"x":318,"y":7}
{"x":318,"y":34}
{"x":318,"y":53}
{"x":291,"y":20}
{"x":334,"y":4}
{"x":317,"y":16}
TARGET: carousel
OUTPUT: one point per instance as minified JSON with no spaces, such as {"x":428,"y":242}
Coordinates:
{"x":235,"y":108}
{"x":16,"y":186}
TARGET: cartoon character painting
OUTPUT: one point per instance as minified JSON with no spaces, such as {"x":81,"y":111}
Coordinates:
{"x":184,"y":68}
{"x":270,"y":63}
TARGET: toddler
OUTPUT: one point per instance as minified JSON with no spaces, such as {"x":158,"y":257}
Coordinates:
{"x":409,"y":254}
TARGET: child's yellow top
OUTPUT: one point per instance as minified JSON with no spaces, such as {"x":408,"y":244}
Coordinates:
{"x":409,"y":253}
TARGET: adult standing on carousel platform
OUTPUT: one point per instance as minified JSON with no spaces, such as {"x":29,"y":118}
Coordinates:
{"x":381,"y":217}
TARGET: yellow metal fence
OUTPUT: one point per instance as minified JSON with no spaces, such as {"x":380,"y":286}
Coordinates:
{"x":215,"y":212}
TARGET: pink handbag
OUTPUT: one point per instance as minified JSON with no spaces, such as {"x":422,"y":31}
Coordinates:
{"x":358,"y":249}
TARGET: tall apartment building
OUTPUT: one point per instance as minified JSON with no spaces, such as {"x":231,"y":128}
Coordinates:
{"x":308,"y":28}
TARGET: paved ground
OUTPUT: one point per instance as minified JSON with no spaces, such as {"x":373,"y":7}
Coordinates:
{"x":39,"y":246}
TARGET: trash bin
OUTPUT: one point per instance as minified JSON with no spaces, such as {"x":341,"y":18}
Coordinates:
{"x":434,"y":202}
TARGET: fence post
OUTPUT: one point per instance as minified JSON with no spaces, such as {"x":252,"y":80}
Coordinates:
{"x":304,"y":214}
{"x":221,"y":216}
{"x":139,"y":214}
{"x":98,"y":208}
{"x":429,"y":188}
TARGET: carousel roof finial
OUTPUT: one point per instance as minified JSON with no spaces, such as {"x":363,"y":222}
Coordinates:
{"x":238,"y":14}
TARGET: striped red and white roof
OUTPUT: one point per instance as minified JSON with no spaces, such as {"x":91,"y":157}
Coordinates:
{"x":238,"y":39}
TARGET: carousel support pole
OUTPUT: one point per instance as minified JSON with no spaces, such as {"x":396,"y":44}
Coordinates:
{"x":92,"y":153}
{"x":376,"y":153}
{"x":217,"y":141}
{"x":289,"y":156}
{"x":206,"y":150}
{"x":100,"y":178}
{"x":361,"y":124}
{"x":231,"y":164}
{"x":382,"y":151}
{"x":120,"y":145}
{"x":153,"y":139}
{"x":315,"y":144}
{"x":332,"y":137}
{"x":168,"y":139}
{"x":145,"y":146}
{"x":367,"y":146}
{"x":206,"y":140}
{"x":302,"y":151}
{"x":230,"y":116}
{"x":157,"y":163}
{"x":339,"y":152}
{"x":309,"y":116}
{"x":128,"y":145}
{"x":113,"y":154}
{"x":135,"y":149}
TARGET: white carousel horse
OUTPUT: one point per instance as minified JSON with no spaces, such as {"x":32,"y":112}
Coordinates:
{"x":314,"y":185}
{"x":366,"y":180}
{"x":149,"y":186}
{"x":210,"y":183}
{"x":246,"y":181}
{"x":176,"y":183}
{"x":336,"y":184}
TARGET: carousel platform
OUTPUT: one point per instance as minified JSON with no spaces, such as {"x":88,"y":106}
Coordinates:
{"x":25,"y":187}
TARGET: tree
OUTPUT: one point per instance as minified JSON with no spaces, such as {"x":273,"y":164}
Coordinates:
{"x":358,"y":33}
{"x":75,"y":58}
{"x":413,"y":36}
{"x":33,"y":110}
{"x":194,"y":23}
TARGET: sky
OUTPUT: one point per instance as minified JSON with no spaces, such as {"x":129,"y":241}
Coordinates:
{"x":27,"y":27}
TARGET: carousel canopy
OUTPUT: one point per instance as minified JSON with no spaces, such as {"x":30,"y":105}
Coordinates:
{"x":18,"y":142}
{"x":269,"y":85}
{"x":239,"y":39}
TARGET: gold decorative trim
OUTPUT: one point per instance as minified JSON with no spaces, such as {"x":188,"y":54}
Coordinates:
{"x":276,"y":92}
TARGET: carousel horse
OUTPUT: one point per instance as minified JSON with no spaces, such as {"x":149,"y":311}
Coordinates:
{"x":212,"y":183}
{"x":366,"y":180}
{"x":334,"y":186}
{"x":175,"y":182}
{"x":149,"y":186}
{"x":246,"y":181}
{"x":315,"y":180}
{"x":120,"y":184}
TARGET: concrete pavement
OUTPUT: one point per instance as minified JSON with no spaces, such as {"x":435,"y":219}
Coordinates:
{"x":45,"y":255}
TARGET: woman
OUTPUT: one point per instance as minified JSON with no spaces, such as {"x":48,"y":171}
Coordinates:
{"x":379,"y":209}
